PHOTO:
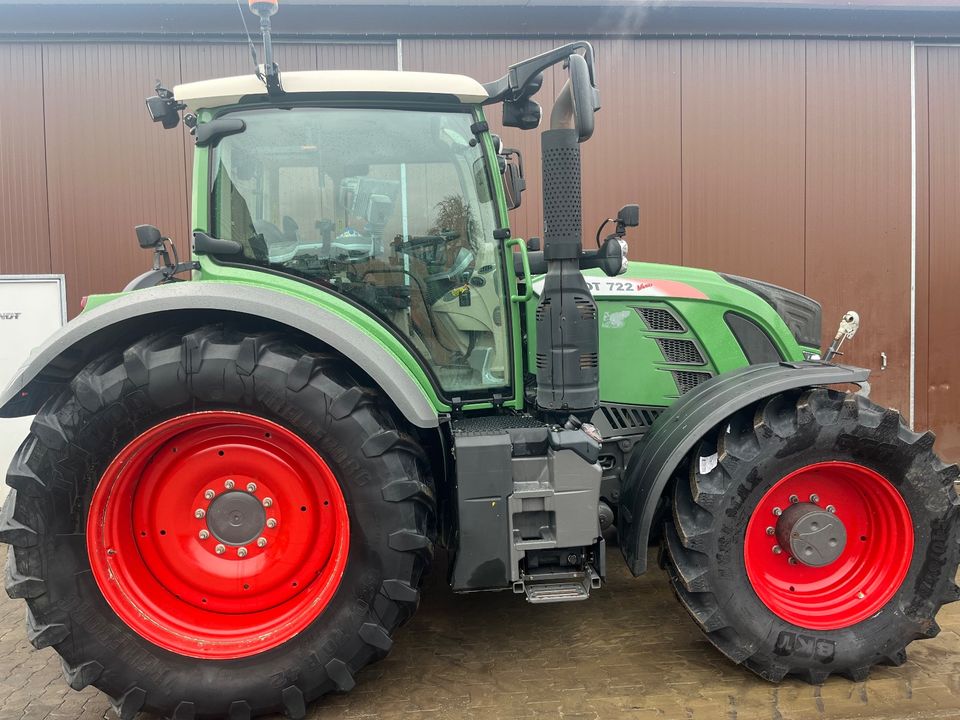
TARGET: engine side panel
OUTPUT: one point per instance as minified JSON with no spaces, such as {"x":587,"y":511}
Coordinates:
{"x":664,"y":329}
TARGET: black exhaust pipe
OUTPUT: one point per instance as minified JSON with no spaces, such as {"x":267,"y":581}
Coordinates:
{"x":568,"y":341}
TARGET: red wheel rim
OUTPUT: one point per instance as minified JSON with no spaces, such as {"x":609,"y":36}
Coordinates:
{"x":218,"y":535}
{"x":868,"y":571}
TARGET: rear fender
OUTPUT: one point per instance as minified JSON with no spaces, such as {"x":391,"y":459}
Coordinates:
{"x":683,"y":424}
{"x":57,"y":361}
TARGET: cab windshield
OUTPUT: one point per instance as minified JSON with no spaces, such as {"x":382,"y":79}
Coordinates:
{"x":391,"y":208}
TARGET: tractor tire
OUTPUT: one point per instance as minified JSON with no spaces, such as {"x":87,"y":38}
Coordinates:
{"x":757,"y":556}
{"x":217,"y":523}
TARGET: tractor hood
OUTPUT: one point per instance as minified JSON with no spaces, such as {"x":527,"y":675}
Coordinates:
{"x":802,"y":315}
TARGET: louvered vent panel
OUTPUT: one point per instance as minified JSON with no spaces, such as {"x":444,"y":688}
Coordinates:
{"x":660,"y":320}
{"x":587,"y":309}
{"x":684,"y":352}
{"x":543,"y":308}
{"x":628,"y":417}
{"x":687,"y":380}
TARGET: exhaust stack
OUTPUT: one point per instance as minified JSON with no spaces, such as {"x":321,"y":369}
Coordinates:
{"x":568,"y":341}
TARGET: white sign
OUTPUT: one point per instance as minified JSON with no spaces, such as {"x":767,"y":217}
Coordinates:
{"x":32,"y":307}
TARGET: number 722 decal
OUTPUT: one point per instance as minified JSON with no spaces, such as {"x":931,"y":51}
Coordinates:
{"x":636,"y":287}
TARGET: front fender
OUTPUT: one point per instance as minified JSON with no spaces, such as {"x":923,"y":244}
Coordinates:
{"x":683,"y":424}
{"x":57,"y":361}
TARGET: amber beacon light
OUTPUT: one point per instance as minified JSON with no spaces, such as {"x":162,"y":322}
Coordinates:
{"x":263,"y":8}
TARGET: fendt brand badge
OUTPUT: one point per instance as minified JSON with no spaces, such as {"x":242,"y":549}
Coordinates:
{"x":10,"y":315}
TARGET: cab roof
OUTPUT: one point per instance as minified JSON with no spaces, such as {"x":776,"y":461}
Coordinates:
{"x":229,"y":90}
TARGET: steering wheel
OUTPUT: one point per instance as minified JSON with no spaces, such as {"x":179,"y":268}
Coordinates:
{"x":417,"y":242}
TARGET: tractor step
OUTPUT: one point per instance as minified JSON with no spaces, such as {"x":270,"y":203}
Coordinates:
{"x":558,"y":587}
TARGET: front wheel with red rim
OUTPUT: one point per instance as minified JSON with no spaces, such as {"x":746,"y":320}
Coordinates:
{"x":817,"y":534}
{"x":217,"y":523}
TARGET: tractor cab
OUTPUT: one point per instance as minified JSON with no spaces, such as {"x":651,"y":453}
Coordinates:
{"x":385,"y":198}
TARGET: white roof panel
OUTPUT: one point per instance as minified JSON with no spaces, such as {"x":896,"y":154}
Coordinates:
{"x":229,"y":90}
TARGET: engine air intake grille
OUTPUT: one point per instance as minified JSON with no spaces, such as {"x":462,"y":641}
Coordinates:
{"x":588,"y":360}
{"x":659,"y":320}
{"x":687,"y":380}
{"x":629,"y":417}
{"x":682,"y":352}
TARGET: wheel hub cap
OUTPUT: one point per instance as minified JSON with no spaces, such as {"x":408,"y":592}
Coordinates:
{"x":814,"y":537}
{"x":236,"y":518}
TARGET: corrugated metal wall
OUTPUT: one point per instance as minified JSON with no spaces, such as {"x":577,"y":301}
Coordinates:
{"x":24,"y":216}
{"x":938,"y":243}
{"x":786,"y":160}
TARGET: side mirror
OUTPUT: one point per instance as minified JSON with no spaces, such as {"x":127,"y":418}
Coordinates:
{"x":629,"y":216}
{"x":513,"y":181}
{"x":148,"y":236}
{"x":584,"y":95}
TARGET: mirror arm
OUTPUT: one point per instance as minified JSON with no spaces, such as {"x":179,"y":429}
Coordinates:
{"x":512,"y":85}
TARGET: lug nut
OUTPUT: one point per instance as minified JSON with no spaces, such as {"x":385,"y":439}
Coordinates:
{"x":794,"y":499}
{"x":209,"y":494}
{"x":220,"y":549}
{"x":199,"y":513}
{"x":241,"y":552}
{"x":814,"y":498}
{"x":204,"y":534}
{"x":267,"y":502}
{"x":770,"y":531}
{"x":860,"y":596}
{"x":831,"y":509}
{"x":777,"y":511}
{"x":261,"y":542}
{"x":272,"y":523}
{"x":229,"y":484}
{"x":251,"y":487}
{"x":792,"y":560}
{"x":777,"y":549}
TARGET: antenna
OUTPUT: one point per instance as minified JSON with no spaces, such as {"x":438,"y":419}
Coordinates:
{"x":253,"y":48}
{"x":264,"y":9}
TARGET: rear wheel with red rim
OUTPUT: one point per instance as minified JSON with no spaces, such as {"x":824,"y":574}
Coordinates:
{"x":217,"y":523}
{"x":817,"y":534}
{"x":218,"y":534}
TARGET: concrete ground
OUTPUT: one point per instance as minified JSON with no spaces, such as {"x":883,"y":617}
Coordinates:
{"x":629,"y":652}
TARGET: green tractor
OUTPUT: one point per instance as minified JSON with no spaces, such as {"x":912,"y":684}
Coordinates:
{"x":235,"y":484}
